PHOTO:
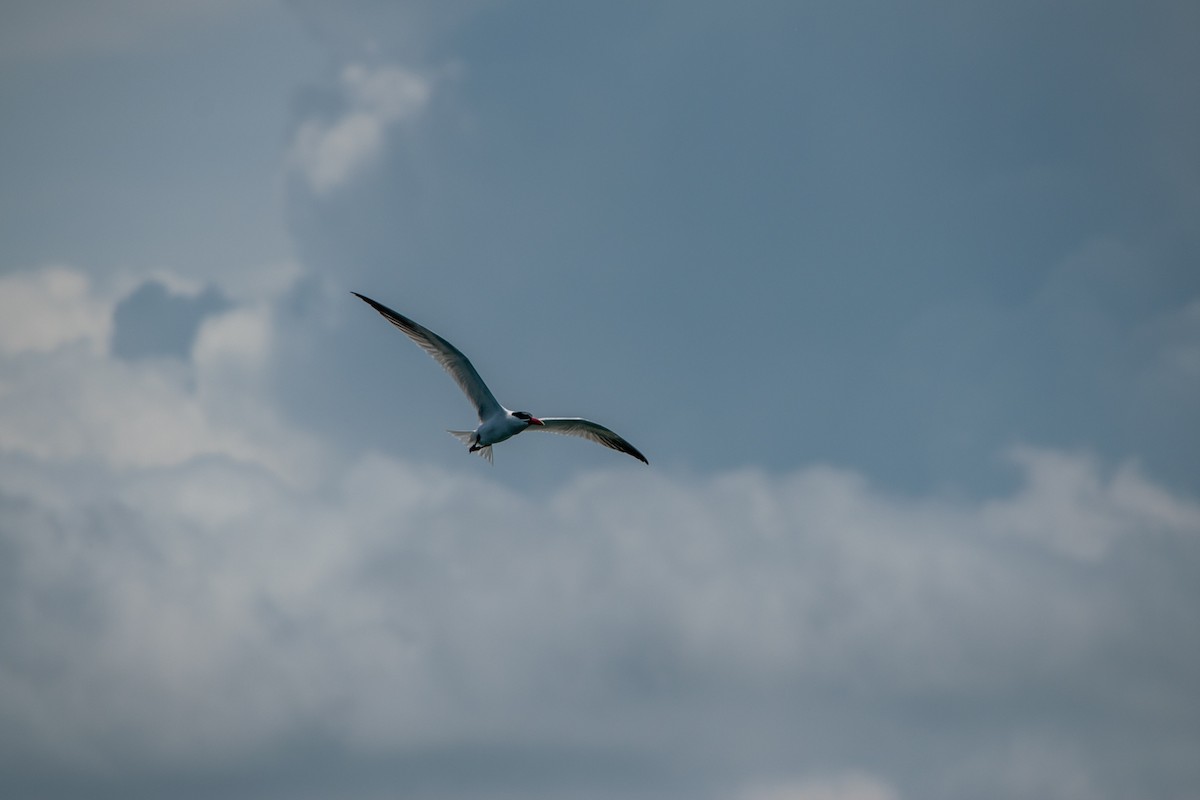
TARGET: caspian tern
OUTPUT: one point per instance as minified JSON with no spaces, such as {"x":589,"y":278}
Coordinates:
{"x":496,"y":423}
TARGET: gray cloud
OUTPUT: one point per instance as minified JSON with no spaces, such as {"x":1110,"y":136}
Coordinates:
{"x":733,"y":628}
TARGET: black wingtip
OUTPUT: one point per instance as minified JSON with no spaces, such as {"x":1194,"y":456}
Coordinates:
{"x":630,"y":450}
{"x":380,"y":307}
{"x":633,"y":451}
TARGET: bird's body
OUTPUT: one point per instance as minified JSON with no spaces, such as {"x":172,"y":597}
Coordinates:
{"x":499,"y":428}
{"x":496,"y":423}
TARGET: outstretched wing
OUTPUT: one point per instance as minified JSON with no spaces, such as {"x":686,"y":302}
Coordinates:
{"x":446,"y":354}
{"x":586,"y":429}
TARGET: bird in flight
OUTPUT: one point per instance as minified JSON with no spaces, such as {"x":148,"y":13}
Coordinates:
{"x":496,"y":423}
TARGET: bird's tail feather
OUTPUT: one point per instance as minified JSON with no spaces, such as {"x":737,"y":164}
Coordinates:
{"x":468,"y":438}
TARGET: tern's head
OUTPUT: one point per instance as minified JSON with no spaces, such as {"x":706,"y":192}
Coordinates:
{"x":530,"y":419}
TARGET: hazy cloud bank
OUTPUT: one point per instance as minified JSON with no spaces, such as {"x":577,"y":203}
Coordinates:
{"x":213,"y":591}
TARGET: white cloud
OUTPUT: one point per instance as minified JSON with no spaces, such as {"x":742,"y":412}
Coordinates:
{"x":394,"y":606}
{"x":171,"y":549}
{"x":63,"y":398}
{"x":1069,"y":505}
{"x":391,"y":93}
{"x":330,"y":152}
{"x":45,"y":309}
{"x":242,"y":336}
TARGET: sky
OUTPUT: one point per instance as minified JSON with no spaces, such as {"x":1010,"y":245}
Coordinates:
{"x":901,"y":302}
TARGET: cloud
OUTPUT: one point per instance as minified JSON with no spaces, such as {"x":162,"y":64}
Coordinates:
{"x":330,"y":152}
{"x":175,"y":550}
{"x":64,"y":399}
{"x":397,"y":608}
{"x":44,"y":309}
{"x":1071,"y":507}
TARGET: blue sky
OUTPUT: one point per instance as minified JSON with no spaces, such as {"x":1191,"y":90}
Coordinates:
{"x":901,"y":303}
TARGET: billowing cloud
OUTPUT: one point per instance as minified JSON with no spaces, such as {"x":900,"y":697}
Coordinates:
{"x":205,"y":614}
{"x":41,"y":310}
{"x":1071,"y":506}
{"x":397,"y":608}
{"x":328,"y":152}
{"x":212,"y":585}
{"x":64,"y":398}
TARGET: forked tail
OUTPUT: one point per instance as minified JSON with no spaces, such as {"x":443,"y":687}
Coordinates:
{"x":468,"y":438}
